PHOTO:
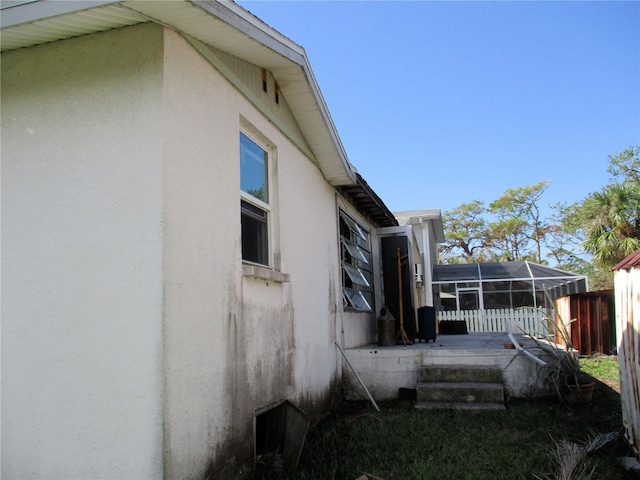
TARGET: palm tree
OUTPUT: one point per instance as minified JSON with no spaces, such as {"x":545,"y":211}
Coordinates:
{"x":611,"y":220}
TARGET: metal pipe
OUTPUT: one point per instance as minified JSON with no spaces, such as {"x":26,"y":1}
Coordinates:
{"x":358,"y":377}
{"x":516,"y":344}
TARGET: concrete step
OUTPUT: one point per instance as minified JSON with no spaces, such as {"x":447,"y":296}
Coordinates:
{"x":460,"y":373}
{"x":468,"y":387}
{"x":469,"y":392}
{"x":459,"y":406}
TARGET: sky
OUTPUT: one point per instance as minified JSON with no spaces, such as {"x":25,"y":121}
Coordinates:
{"x":442,"y":103}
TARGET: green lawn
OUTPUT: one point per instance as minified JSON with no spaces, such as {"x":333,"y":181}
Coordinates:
{"x":400,"y":442}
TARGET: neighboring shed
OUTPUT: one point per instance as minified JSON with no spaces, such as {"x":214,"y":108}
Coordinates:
{"x":627,"y":304}
{"x":593,"y":328}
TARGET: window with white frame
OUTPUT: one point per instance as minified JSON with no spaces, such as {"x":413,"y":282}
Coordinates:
{"x":355,"y":250}
{"x":254,"y":202}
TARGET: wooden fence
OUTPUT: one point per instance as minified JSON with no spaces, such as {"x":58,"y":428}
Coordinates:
{"x":529,"y":320}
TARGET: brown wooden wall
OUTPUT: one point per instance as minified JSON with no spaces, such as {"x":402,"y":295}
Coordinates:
{"x":593,"y":330}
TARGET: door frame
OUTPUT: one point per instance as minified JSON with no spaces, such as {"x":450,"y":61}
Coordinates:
{"x":464,"y":290}
{"x":376,"y":248}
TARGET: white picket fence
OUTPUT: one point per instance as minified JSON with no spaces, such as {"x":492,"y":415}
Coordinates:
{"x":529,"y":320}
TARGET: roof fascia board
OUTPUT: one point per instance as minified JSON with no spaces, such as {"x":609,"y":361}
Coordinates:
{"x":219,"y":65}
{"x":21,"y":13}
{"x":4,"y":4}
{"x":236,"y":16}
{"x":324,"y":110}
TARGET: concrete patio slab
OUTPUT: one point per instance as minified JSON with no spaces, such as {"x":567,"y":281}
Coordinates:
{"x":384,"y":370}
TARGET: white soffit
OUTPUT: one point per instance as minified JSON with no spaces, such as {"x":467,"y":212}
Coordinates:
{"x":60,"y":22}
{"x":222,"y":25}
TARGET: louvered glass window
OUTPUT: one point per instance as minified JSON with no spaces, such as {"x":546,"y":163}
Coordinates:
{"x":356,"y":265}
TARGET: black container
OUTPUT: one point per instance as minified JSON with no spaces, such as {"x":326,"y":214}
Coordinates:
{"x":427,"y":324}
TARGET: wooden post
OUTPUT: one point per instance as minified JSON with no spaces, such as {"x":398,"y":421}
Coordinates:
{"x":401,"y":333}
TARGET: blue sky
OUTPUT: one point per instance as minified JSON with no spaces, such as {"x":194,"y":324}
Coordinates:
{"x":442,"y":103}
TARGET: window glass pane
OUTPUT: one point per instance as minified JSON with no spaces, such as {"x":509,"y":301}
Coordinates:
{"x":253,"y":169}
{"x":355,"y":228}
{"x":254,"y":234}
{"x":355,"y":251}
{"x":356,"y":299}
{"x":355,"y":275}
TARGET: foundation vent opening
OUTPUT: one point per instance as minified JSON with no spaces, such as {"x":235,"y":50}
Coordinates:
{"x":280,"y":432}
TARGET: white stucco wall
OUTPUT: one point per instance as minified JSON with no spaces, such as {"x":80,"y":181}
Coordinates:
{"x":236,"y":344}
{"x":202,"y":232}
{"x":310,"y":254}
{"x":82,"y":258}
{"x":132,"y":345}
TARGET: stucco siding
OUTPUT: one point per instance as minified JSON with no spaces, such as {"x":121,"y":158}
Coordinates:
{"x":201,"y":267}
{"x":309,"y":242}
{"x":81,"y":257}
{"x":236,"y":344}
{"x":132,"y":344}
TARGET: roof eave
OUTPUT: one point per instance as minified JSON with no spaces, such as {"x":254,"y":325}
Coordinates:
{"x":253,"y":40}
{"x":432,"y":215}
{"x":367,"y":202}
{"x":29,"y":11}
{"x":629,"y":262}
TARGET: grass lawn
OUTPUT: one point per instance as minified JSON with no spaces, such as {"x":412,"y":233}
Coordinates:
{"x":400,"y":442}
